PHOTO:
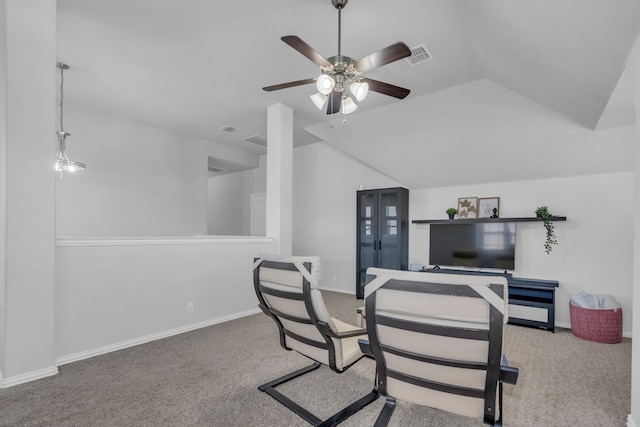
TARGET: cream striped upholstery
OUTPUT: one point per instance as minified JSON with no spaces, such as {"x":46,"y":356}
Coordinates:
{"x":287,"y":288}
{"x":437,"y":338}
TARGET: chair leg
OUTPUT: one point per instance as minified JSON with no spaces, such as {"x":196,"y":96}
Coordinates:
{"x":385,"y":414}
{"x":498,"y":422}
{"x":271,"y":391}
{"x":334,"y":420}
{"x":339,"y":417}
{"x":283,"y":379}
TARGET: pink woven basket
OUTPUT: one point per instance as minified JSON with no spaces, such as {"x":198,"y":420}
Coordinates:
{"x":596,"y":325}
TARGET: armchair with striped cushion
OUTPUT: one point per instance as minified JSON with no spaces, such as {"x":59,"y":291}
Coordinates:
{"x":287,"y":291}
{"x":438,"y":341}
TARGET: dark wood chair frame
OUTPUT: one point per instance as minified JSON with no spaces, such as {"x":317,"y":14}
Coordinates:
{"x":498,"y":371}
{"x":326,"y":332}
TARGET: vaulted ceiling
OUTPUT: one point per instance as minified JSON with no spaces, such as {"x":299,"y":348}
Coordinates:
{"x":195,"y":66}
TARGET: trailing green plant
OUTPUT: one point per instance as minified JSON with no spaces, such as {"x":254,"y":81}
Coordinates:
{"x":452,"y":211}
{"x":543,"y":212}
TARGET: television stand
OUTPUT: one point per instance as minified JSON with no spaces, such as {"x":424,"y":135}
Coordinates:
{"x":531,"y":301}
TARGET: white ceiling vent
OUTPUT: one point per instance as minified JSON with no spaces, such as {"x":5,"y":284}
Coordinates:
{"x":419,"y":54}
{"x":228,"y":128}
{"x":216,"y":169}
{"x":256,"y":139}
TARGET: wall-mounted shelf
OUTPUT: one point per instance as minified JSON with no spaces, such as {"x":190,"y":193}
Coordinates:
{"x":477,"y":220}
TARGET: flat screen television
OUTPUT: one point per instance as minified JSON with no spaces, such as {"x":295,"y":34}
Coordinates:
{"x":482,"y":245}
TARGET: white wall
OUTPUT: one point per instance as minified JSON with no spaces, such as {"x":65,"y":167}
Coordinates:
{"x":229,"y":206}
{"x":114,"y":293}
{"x":27,"y":195}
{"x":595,"y":250}
{"x":3,"y":181}
{"x":140,"y":180}
{"x":279,"y":201}
{"x":633,"y":69}
{"x":325,"y":181}
{"x":225,"y":207}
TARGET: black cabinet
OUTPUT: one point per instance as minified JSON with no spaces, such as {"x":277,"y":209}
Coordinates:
{"x":532,"y":302}
{"x":382,"y":232}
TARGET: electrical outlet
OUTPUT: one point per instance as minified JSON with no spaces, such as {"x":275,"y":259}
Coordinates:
{"x":190,"y":307}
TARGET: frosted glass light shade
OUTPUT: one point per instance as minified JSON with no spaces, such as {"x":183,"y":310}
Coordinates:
{"x":348,"y":106}
{"x":325,"y":84}
{"x":359,"y":90}
{"x":62,"y":160}
{"x":319,"y":100}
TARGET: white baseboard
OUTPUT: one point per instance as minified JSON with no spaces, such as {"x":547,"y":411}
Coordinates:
{"x":47,"y":372}
{"x":27,"y":377}
{"x":563,"y":325}
{"x":568,"y":326}
{"x":630,"y":422}
{"x":63,"y":360}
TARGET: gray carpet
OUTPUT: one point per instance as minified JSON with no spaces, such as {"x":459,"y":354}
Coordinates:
{"x":209,"y":377}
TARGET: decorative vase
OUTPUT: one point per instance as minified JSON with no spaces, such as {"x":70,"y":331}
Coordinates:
{"x":451,"y":216}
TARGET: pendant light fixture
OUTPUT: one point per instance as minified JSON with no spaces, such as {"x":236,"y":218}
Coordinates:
{"x":62,"y":160}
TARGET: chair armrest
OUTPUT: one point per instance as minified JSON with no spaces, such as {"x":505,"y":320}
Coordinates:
{"x":365,"y":347}
{"x":348,"y":334}
{"x":508,"y":374}
{"x":345,"y":334}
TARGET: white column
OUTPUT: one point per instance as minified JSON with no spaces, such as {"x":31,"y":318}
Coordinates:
{"x":27,"y":189}
{"x":279,"y":176}
{"x":633,"y":72}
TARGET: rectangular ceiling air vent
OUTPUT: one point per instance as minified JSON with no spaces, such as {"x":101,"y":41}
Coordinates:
{"x":217,"y":170}
{"x":419,"y":54}
{"x":256,"y":139}
{"x":228,"y":128}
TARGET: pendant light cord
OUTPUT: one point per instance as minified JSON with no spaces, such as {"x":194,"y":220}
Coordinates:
{"x":61,"y":97}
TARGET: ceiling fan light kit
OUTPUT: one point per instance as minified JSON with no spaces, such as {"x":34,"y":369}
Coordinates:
{"x":342,"y":72}
{"x":359,"y":90}
{"x":348,"y":105}
{"x":319,"y":99}
{"x":325,"y":84}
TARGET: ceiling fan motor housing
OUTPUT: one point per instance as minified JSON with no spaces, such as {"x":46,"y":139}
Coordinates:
{"x":342,"y":69}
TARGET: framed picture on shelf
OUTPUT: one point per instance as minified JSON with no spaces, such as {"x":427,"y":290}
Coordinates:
{"x":489,"y":207}
{"x":468,"y":207}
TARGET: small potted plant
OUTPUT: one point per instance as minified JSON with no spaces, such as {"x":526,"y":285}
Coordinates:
{"x":451,"y":212}
{"x":543,"y":212}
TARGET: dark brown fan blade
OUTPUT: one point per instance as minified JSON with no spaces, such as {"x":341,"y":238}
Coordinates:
{"x":290,"y":84}
{"x":302,"y":47}
{"x":383,"y":56}
{"x":387,"y":89}
{"x":333,"y":105}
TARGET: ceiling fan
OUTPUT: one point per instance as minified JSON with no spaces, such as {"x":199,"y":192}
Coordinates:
{"x":340,"y":72}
